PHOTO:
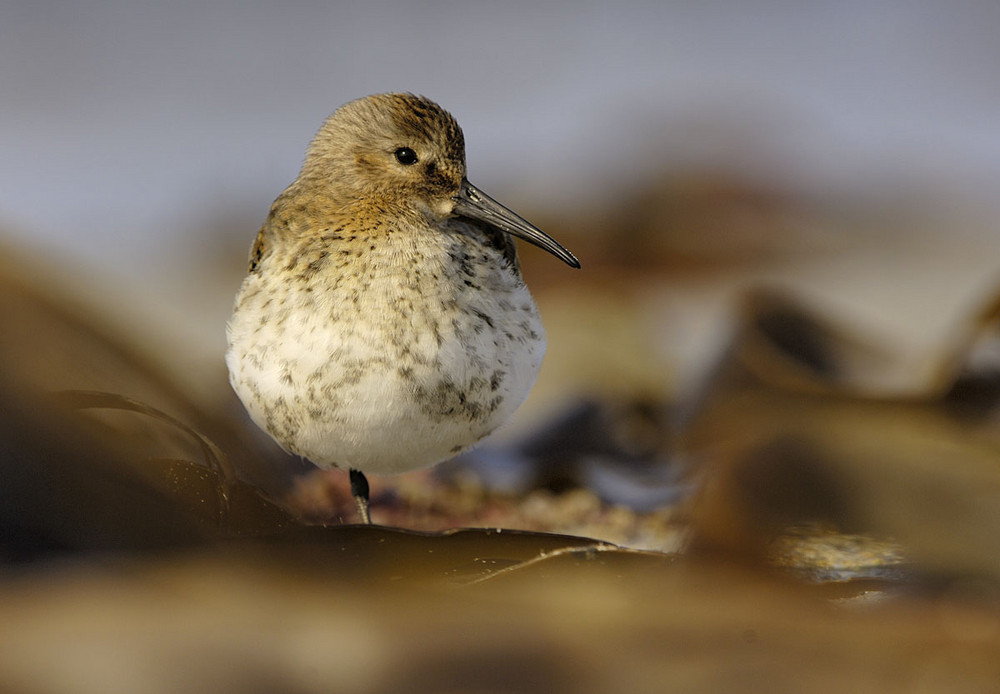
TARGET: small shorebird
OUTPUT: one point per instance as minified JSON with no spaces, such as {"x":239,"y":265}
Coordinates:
{"x":384,"y":325}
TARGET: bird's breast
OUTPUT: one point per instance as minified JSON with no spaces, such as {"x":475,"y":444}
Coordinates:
{"x":359,"y":354}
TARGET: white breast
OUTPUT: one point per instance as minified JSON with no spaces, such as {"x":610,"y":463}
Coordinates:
{"x":384,"y":371}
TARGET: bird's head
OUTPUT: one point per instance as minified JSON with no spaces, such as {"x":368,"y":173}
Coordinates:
{"x":404,"y":151}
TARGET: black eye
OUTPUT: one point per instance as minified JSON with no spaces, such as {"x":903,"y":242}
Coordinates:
{"x":406,"y":156}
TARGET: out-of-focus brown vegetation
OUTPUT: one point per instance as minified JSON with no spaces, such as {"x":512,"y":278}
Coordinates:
{"x":787,"y":432}
{"x":785,"y":517}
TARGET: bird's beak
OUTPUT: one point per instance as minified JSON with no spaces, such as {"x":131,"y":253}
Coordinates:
{"x":474,"y":203}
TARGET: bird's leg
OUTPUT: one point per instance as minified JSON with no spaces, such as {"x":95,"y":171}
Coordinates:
{"x":359,"y":490}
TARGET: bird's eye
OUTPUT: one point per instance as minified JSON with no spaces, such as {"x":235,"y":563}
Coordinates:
{"x":406,"y":156}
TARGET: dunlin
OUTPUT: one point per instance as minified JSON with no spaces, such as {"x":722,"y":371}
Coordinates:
{"x":384,"y":325}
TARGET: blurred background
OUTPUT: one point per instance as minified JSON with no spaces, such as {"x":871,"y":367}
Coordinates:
{"x":782,"y":350}
{"x":689,"y":154}
{"x":143,"y":142}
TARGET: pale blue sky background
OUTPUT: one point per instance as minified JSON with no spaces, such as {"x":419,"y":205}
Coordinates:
{"x":124,"y":125}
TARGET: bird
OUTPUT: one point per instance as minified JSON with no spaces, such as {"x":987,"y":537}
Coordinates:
{"x":384,"y":325}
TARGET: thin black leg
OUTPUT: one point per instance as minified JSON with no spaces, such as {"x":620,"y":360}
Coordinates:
{"x":359,"y":490}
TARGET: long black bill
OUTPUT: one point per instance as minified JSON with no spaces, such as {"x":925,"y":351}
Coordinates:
{"x":474,"y":203}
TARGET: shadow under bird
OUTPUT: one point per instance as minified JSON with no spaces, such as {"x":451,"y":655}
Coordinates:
{"x":384,"y":325}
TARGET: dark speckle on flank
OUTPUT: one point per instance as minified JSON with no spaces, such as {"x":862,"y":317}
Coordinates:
{"x":483,"y":317}
{"x":448,"y":400}
{"x":318,"y":262}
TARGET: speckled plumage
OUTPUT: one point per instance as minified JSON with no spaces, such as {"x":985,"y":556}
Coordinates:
{"x":383,"y":328}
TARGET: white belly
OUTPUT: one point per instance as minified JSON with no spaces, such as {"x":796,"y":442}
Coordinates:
{"x":400,"y":379}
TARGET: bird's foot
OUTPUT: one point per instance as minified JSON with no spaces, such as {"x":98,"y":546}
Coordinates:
{"x":359,"y":489}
